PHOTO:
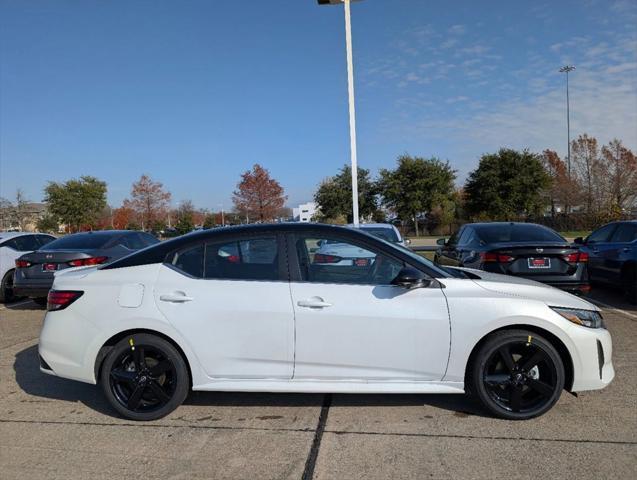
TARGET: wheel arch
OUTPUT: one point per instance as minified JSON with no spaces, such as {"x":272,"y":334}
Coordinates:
{"x":111,"y":342}
{"x":561,"y":348}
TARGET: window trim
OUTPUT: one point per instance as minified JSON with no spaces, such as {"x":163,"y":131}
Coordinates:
{"x":295,"y":266}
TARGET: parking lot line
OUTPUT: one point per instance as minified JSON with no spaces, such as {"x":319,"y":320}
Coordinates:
{"x":610,"y":307}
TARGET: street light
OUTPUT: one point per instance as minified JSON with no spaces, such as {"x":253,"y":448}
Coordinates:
{"x":566,"y":69}
{"x":352,"y":111}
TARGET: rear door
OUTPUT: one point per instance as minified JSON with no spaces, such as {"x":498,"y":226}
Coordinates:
{"x":351,"y":323}
{"x":619,"y":250}
{"x":230,"y":299}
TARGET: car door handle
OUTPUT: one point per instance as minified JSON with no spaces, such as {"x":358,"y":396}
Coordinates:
{"x":175,"y":298}
{"x":314,"y":302}
{"x":626,"y":249}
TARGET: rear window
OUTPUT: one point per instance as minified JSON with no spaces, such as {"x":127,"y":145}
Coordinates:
{"x":387,"y":234}
{"x":499,"y":233}
{"x":79,"y":241}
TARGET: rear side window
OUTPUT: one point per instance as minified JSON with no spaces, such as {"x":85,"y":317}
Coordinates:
{"x":190,"y":260}
{"x":44,"y":239}
{"x":625,"y":233}
{"x":135,"y":241}
{"x":24,"y":243}
{"x":387,"y":234}
{"x":80,"y":241}
{"x":243,"y":259}
{"x":517,"y":233}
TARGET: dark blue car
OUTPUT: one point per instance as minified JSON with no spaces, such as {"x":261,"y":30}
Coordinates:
{"x":612,"y":251}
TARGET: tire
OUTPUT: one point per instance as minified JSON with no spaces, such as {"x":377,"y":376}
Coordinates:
{"x":517,"y":374}
{"x":629,"y":284}
{"x":40,"y":301}
{"x":6,"y":288}
{"x":144,"y":377}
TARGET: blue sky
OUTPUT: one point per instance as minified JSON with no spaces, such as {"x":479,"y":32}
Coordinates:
{"x":195,"y":92}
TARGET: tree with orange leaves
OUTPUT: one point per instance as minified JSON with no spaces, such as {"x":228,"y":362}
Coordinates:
{"x":149,"y":200}
{"x":258,"y":195}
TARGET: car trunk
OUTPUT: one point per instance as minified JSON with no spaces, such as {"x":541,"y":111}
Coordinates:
{"x":535,"y":259}
{"x":45,"y":263}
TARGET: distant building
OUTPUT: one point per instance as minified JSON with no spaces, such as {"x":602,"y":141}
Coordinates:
{"x":304,"y":212}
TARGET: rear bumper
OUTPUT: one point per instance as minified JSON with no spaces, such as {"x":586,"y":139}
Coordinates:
{"x":31,"y":291}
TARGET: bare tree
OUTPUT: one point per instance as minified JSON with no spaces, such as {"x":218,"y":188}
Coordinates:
{"x":591,"y":173}
{"x":149,"y":200}
{"x":622,"y":173}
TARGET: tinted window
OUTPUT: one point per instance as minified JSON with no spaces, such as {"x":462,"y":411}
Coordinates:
{"x":503,"y":233}
{"x":148,"y":239}
{"x":24,"y":243}
{"x":44,"y":239}
{"x":466,"y":234}
{"x":625,"y":233}
{"x":245,"y":259}
{"x":453,"y":239}
{"x":602,"y":234}
{"x":134,"y":241}
{"x":334,"y":260}
{"x":387,"y":234}
{"x":80,"y":241}
{"x":190,"y":260}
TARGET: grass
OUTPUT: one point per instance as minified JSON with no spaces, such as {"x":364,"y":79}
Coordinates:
{"x":576,"y":233}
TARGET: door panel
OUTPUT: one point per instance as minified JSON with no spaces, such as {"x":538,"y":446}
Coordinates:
{"x":237,"y":328}
{"x":370,"y":332}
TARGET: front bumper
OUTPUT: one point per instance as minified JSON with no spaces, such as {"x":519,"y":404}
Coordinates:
{"x":592,"y":361}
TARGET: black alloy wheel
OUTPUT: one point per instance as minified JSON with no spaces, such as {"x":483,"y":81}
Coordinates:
{"x":517,"y":375}
{"x":6,"y":288}
{"x":144,"y":377}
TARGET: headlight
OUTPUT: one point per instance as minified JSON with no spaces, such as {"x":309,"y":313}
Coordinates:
{"x":586,"y":318}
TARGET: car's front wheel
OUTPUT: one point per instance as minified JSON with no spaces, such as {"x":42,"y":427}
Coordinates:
{"x":517,"y":374}
{"x":144,"y":377}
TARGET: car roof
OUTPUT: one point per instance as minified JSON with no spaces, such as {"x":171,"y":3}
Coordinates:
{"x":503,"y":224}
{"x":373,"y":225}
{"x":6,"y":235}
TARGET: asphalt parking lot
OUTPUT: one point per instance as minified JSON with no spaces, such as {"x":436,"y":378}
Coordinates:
{"x":54,"y":428}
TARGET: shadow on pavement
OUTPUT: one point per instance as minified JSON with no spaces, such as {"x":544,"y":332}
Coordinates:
{"x":33,"y":382}
{"x":24,"y":304}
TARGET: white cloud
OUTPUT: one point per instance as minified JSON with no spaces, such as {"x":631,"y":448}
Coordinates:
{"x":457,"y":30}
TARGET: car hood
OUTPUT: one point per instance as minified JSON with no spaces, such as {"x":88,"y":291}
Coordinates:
{"x":525,"y":288}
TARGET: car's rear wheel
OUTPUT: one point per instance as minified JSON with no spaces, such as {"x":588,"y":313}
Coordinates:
{"x":6,"y":288}
{"x":144,"y":377}
{"x":517,"y":374}
{"x":629,"y":283}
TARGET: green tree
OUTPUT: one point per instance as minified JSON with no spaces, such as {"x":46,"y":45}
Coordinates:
{"x":417,"y":186}
{"x":334,"y":196}
{"x":185,"y":218}
{"x":48,"y":224}
{"x":209,"y":221}
{"x":76,"y":203}
{"x":507,"y":185}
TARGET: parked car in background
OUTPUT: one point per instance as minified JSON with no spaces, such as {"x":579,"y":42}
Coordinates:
{"x":184,"y":315}
{"x":384,"y":231}
{"x":526,"y":250}
{"x":12,"y":246}
{"x":612,"y":251}
{"x":330,"y":252}
{"x":34,"y":271}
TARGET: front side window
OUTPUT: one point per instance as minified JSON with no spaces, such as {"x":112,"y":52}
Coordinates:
{"x":243,"y":259}
{"x":602,"y":234}
{"x":336,"y":260}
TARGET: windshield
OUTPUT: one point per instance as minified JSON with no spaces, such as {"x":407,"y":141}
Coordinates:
{"x":388,"y":234}
{"x":505,"y":233}
{"x":80,"y":241}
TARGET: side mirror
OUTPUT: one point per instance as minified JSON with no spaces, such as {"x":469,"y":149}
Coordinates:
{"x":407,"y":241}
{"x":320,"y":243}
{"x":410,"y":278}
{"x":441,"y":241}
{"x":579,"y":241}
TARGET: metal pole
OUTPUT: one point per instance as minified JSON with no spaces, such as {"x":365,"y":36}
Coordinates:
{"x":568,"y":126}
{"x":352,"y":111}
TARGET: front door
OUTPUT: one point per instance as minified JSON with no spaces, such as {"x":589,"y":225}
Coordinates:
{"x":351,"y":323}
{"x":230,"y":300}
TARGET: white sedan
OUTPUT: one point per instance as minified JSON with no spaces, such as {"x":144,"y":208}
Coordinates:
{"x":185,"y":314}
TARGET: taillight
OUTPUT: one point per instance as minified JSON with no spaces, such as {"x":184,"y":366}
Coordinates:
{"x":322,"y":258}
{"x":495,"y":257}
{"x":22,"y":264}
{"x":60,"y":299}
{"x":576,"y":257}
{"x":83,"y":262}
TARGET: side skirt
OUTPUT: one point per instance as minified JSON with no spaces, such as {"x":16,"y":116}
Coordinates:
{"x":325,"y":386}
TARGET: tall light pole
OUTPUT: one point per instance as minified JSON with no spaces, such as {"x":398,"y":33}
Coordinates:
{"x":566,"y":69}
{"x":352,"y":111}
